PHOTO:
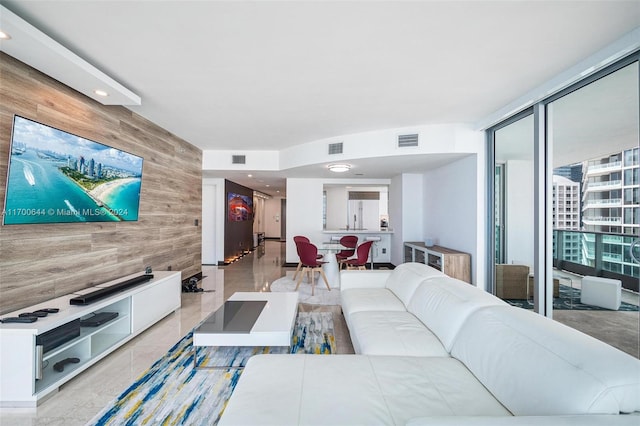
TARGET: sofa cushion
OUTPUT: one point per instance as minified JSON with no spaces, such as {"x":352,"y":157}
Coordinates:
{"x":537,"y":366}
{"x":364,"y":279}
{"x":444,"y":303}
{"x":404,"y":279}
{"x":368,"y":299}
{"x":392,"y":333}
{"x":354,"y":390}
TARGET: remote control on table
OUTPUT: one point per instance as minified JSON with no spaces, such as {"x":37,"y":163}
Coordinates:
{"x":33,"y":314}
{"x":49,"y":310}
{"x":19,"y":319}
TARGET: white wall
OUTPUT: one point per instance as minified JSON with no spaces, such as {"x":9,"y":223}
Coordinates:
{"x":395,"y":220}
{"x":209,"y":256}
{"x":451,"y":203}
{"x":272,"y":217}
{"x":304,"y":213}
{"x":213,"y":215}
{"x":434,"y":139}
{"x":254,"y":160}
{"x":406,"y":212}
{"x":519,"y":216}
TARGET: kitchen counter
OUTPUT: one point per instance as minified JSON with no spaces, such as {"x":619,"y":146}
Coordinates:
{"x":357,"y":231}
{"x":381,"y":249}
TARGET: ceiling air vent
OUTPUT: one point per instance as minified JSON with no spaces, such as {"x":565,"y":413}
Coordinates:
{"x":238,"y":159}
{"x":407,"y":140}
{"x":335,"y":148}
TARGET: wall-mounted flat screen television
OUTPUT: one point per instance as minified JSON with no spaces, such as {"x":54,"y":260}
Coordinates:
{"x":240,"y":207}
{"x":55,"y":177}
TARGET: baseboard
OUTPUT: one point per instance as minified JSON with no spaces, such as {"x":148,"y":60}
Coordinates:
{"x":384,"y":265}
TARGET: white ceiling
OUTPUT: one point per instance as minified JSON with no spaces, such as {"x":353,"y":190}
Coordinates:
{"x":270,"y":75}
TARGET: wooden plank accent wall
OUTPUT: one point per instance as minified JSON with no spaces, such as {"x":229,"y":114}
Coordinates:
{"x":40,"y":262}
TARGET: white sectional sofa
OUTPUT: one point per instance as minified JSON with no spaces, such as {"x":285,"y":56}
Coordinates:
{"x":433,"y":350}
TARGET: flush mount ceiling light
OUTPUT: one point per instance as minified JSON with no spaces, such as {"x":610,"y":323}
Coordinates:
{"x":339,"y":168}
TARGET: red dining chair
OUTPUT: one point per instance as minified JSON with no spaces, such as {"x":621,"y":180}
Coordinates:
{"x":362,"y":254}
{"x":351,"y":242}
{"x":296,"y":240}
{"x":310,"y":264}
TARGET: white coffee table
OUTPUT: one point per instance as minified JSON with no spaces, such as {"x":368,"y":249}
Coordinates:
{"x":250,"y":324}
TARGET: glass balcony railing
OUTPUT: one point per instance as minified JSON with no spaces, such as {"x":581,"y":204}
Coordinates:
{"x":595,"y":220}
{"x":609,"y":202}
{"x":606,"y":184}
{"x":607,"y":167}
{"x":600,"y":254}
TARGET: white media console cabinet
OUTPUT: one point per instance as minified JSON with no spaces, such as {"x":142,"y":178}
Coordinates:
{"x":27,"y":373}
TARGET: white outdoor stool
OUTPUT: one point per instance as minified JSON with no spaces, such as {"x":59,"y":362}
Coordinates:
{"x":602,"y":292}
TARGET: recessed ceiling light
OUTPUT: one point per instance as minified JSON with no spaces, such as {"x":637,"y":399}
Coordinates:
{"x":100,"y":92}
{"x":339,"y":168}
{"x":249,"y":175}
{"x":267,"y":186}
{"x":4,"y":36}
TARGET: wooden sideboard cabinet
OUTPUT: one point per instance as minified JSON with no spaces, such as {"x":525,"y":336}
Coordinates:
{"x":454,"y":263}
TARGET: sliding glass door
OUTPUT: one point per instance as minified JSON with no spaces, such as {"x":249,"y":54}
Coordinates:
{"x":513,"y":213}
{"x":566,"y":202}
{"x":592,"y":138}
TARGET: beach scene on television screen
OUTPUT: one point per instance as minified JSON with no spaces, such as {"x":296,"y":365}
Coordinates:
{"x":55,"y":176}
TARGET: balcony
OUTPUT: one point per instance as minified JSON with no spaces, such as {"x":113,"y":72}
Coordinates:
{"x":602,"y":254}
{"x":603,"y":186}
{"x":602,"y":220}
{"x":604,"y":203}
{"x":604,"y":168}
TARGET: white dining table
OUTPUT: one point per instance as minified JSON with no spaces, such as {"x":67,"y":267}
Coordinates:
{"x":331,"y":269}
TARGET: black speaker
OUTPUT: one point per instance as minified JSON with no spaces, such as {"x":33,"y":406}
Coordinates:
{"x":191,"y":286}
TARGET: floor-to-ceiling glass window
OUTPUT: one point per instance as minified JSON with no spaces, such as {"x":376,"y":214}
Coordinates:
{"x":513,"y":213}
{"x":592,"y":136}
{"x":566,"y":204}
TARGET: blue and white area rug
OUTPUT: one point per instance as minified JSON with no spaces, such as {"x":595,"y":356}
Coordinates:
{"x":172,"y":392}
{"x":321,"y":295}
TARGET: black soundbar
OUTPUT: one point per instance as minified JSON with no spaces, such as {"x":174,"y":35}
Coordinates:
{"x":94,"y":296}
